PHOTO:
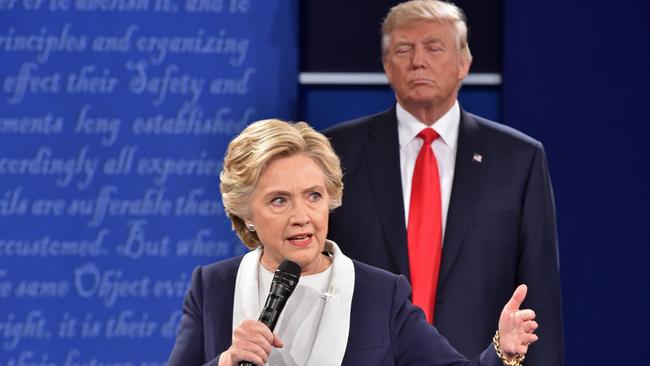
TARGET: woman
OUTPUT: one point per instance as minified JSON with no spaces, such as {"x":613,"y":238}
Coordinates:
{"x":279,"y":183}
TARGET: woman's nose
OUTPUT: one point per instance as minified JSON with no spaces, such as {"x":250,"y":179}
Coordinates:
{"x":299,"y":214}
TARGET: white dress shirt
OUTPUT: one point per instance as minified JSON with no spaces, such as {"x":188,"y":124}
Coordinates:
{"x":326,"y":296}
{"x":305,"y":309}
{"x":444,"y":147}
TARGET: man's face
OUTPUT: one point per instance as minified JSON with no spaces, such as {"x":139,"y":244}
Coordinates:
{"x":424,"y":64}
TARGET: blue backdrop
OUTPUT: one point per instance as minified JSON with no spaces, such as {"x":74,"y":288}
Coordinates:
{"x":114,"y":118}
{"x":108,"y":189}
{"x":577,"y":77}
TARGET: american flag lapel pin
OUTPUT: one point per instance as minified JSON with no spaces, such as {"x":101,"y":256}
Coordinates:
{"x":477,"y":158}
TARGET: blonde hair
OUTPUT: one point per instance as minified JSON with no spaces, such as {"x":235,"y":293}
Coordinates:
{"x":255,"y":147}
{"x":415,"y":11}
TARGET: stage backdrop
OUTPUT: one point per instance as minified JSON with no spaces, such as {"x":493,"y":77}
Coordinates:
{"x":114,"y":118}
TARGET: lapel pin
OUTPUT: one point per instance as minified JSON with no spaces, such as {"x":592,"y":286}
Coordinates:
{"x":477,"y":158}
{"x":331,"y":294}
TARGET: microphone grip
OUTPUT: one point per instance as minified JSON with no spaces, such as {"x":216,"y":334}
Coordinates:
{"x":269,"y":316}
{"x":284,"y":282}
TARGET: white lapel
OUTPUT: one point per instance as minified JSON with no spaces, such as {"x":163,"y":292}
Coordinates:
{"x":332,"y":339}
{"x":246,"y":303}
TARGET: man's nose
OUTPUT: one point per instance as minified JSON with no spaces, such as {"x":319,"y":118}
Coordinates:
{"x":418,"y":57}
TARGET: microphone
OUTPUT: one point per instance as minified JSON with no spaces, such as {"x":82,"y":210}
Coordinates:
{"x":284,"y":282}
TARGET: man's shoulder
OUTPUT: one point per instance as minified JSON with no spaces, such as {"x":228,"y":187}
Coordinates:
{"x":358,"y":126}
{"x":500,"y":133}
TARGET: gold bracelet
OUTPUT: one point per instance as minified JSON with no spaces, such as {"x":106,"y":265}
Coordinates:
{"x":505,"y":360}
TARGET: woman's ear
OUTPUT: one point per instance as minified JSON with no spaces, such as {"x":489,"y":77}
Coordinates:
{"x":249,"y":226}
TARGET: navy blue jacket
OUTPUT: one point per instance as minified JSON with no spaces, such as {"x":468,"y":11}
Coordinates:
{"x":500,"y":229}
{"x":385,"y":328}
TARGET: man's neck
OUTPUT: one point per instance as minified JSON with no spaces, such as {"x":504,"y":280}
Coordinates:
{"x":427,"y":113}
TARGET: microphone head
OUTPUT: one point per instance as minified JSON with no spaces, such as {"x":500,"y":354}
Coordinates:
{"x":290,"y":267}
{"x":284,"y":282}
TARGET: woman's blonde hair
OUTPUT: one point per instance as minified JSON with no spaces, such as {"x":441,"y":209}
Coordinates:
{"x":255,"y":147}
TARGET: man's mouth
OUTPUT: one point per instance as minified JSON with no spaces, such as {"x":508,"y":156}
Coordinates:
{"x":420,"y":81}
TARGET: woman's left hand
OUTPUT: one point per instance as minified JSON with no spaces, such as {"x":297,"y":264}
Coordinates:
{"x":516,"y":326}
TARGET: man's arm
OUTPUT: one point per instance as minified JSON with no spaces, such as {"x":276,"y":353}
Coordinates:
{"x":538,"y":265}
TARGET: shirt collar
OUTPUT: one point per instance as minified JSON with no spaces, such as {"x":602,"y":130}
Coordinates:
{"x":408,"y":126}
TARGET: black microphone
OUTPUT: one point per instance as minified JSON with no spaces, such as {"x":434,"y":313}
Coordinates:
{"x":284,"y":282}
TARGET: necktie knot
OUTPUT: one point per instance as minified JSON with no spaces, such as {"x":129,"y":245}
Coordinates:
{"x":428,"y":135}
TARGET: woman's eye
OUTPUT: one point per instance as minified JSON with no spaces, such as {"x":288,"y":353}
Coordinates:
{"x":315,"y":196}
{"x":278,"y":201}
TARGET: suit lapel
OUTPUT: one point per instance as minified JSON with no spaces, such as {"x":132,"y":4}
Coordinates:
{"x":468,"y":175}
{"x":382,"y":155}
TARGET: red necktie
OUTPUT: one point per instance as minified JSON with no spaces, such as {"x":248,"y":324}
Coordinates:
{"x":425,"y":226}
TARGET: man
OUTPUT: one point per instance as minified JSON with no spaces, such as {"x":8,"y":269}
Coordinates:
{"x":466,"y":205}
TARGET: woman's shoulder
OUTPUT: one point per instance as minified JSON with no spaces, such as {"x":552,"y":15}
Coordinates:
{"x":218,"y":271}
{"x":378,"y":297}
{"x":366,"y":270}
{"x":379,"y":281}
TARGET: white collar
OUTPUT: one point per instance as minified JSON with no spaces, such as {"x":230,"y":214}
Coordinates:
{"x":331,"y":341}
{"x":408,"y":126}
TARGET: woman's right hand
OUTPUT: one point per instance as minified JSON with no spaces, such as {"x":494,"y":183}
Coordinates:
{"x":251,"y":341}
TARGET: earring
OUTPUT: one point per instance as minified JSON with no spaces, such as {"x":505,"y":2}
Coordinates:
{"x":250,"y":227}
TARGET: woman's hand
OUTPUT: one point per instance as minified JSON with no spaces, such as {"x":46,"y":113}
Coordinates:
{"x":516,"y":326}
{"x":252,"y":342}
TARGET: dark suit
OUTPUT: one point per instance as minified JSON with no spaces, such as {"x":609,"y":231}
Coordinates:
{"x":385,"y":328}
{"x":500,"y":228}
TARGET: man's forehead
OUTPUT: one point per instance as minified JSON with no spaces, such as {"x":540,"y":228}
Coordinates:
{"x":423,"y":29}
{"x":428,"y":38}
{"x":415,"y":38}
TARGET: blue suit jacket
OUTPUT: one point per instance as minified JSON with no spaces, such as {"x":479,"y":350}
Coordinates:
{"x":385,"y":329}
{"x":500,"y":228}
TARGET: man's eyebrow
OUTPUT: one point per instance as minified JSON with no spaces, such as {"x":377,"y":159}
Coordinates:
{"x":432,"y":40}
{"x":403,"y":42}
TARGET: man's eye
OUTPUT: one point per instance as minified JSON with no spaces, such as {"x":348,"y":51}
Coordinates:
{"x":402,"y":50}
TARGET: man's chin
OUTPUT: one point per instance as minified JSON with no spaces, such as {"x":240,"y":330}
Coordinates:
{"x":423,"y":98}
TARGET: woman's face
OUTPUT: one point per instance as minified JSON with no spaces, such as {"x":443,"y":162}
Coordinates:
{"x":290,"y":212}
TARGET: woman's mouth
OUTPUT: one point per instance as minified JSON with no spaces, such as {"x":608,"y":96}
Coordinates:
{"x":300,"y":240}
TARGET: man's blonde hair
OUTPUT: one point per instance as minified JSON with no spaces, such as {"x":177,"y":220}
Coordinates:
{"x":415,"y":11}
